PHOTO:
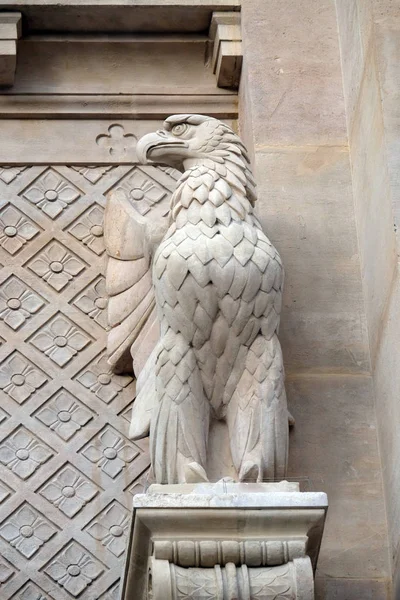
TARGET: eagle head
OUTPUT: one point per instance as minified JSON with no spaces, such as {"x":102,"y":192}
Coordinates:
{"x":189,"y":137}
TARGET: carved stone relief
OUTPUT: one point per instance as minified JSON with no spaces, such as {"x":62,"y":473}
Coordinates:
{"x":272,"y":583}
{"x":225,"y":540}
{"x":202,"y":267}
{"x":68,"y":471}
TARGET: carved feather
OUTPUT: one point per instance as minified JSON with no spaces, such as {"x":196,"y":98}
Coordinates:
{"x":129,"y":237}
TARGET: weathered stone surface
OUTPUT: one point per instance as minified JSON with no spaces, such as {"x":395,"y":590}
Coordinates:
{"x":166,"y":74}
{"x":231,"y":495}
{"x":351,"y":589}
{"x":305,"y":201}
{"x":370,"y":54}
{"x":308,"y":111}
{"x":371,"y":184}
{"x":352,"y":52}
{"x":154,"y":66}
{"x":387,"y":383}
{"x":387,"y":49}
{"x":225,"y":486}
{"x":334,"y":447}
{"x":373,"y":207}
{"x":294,"y":79}
{"x":386,"y":20}
{"x":305,"y":185}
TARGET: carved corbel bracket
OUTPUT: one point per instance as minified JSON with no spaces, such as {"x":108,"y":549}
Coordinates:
{"x":10,"y":32}
{"x":225,"y":32}
{"x":224,"y":540}
{"x":293,"y":579}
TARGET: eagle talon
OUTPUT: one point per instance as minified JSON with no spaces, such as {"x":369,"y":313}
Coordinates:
{"x":194,"y":473}
{"x":249,"y":472}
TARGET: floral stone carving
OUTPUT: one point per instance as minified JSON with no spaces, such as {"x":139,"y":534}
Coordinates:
{"x":94,"y":301}
{"x":19,"y":378}
{"x":117,"y":142}
{"x":8,"y":174}
{"x":111,"y":528}
{"x":15,"y":229}
{"x":110,"y":452}
{"x":27,"y":530}
{"x":60,"y":340}
{"x":23,"y":453}
{"x":18,"y":302}
{"x":74,"y":569}
{"x":69,"y":491}
{"x":203,"y":261}
{"x":65,"y":415}
{"x":93,"y":173}
{"x":31,"y":592}
{"x":52,"y":193}
{"x":56,"y":265}
{"x":142,"y":190}
{"x":99,"y":379}
{"x":58,"y":415}
{"x":88,"y":229}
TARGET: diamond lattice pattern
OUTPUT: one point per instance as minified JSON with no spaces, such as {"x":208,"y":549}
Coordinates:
{"x":67,"y":468}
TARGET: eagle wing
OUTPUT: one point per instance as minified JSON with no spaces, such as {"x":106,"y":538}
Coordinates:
{"x":130,"y":239}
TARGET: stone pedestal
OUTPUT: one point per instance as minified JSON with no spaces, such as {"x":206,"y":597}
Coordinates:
{"x":227,"y":541}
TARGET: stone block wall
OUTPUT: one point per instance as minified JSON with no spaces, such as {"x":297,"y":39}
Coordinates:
{"x":369,"y":37}
{"x":317,"y":197}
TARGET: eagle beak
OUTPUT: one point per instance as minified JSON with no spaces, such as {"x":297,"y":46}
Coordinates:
{"x":158,"y":147}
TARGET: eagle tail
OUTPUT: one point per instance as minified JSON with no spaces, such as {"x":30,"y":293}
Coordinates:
{"x":180,"y":420}
{"x":257,"y":414}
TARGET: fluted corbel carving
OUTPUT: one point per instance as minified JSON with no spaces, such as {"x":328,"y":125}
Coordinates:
{"x":291,"y":580}
{"x":10,"y":32}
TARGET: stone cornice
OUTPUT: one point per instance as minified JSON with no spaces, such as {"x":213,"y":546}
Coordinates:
{"x":118,"y":16}
{"x":135,"y":21}
{"x":118,"y":106}
{"x":207,"y":33}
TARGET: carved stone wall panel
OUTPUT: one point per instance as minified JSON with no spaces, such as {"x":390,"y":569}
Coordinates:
{"x":67,"y":468}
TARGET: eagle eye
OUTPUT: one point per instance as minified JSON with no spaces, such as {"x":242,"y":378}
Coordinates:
{"x":179,"y":129}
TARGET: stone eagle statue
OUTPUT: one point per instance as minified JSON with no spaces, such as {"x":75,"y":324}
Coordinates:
{"x":202,"y":276}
